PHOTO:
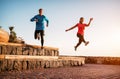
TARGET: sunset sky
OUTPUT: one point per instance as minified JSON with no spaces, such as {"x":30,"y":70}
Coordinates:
{"x":103,"y":33}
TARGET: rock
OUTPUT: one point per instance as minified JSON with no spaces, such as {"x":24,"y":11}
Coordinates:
{"x":17,"y":65}
{"x":10,"y":64}
{"x":24,"y":63}
{"x":3,"y":65}
{"x":0,"y":49}
{"x":4,"y":36}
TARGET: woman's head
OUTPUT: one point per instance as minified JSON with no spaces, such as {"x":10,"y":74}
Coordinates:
{"x":81,"y":20}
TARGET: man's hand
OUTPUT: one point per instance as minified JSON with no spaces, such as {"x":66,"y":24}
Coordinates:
{"x":46,"y":25}
{"x":36,"y":20}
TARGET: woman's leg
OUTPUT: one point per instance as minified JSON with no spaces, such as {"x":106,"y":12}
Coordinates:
{"x":79,"y":42}
{"x":86,"y":42}
{"x":82,"y":37}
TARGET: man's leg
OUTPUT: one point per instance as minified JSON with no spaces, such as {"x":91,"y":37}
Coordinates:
{"x":42,"y":37}
{"x":35,"y":34}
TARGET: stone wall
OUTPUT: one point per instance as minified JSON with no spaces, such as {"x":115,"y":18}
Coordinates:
{"x":16,"y":50}
{"x":8,"y":65}
{"x":103,"y":60}
{"x":24,"y":49}
{"x":24,"y":57}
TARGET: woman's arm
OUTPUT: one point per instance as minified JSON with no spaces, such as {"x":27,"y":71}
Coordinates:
{"x":71,"y":28}
{"x":89,"y":22}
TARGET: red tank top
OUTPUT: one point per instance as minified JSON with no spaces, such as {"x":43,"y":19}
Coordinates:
{"x":81,"y":28}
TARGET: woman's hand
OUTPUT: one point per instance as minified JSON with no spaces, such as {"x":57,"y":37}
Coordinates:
{"x":91,"y":19}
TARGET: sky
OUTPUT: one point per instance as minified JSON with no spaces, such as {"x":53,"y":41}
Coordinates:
{"x":103,"y":32}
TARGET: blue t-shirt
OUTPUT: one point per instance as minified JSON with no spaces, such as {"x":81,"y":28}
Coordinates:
{"x":40,"y":23}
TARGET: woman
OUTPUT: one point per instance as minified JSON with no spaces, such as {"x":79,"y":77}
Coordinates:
{"x":80,"y":34}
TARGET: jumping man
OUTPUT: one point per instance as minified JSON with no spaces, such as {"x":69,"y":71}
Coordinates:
{"x":39,"y":31}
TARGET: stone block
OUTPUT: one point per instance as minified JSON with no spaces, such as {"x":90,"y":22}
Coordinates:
{"x":47,"y":64}
{"x":48,"y":52}
{"x":52,"y":53}
{"x":4,"y":49}
{"x":0,"y":49}
{"x":45,"y":52}
{"x":9,"y":49}
{"x":38,"y":64}
{"x":42,"y":63}
{"x":17,"y":65}
{"x":25,"y":50}
{"x":14,"y":51}
{"x":31,"y":64}
{"x":55,"y":64}
{"x":51,"y":63}
{"x":30,"y":51}
{"x":24,"y":65}
{"x":60,"y":64}
{"x":66,"y":62}
{"x":10,"y":64}
{"x":56,"y":53}
{"x":3,"y":65}
{"x":35,"y":51}
{"x":19,"y":50}
{"x":75,"y":63}
{"x":40,"y":52}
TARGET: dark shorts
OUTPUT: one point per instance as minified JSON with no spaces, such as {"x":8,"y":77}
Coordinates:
{"x":79,"y":35}
{"x":40,"y":32}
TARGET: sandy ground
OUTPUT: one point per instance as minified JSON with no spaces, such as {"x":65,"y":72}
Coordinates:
{"x":87,"y":71}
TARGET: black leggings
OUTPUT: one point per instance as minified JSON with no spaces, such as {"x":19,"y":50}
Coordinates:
{"x":81,"y":39}
{"x":41,"y":33}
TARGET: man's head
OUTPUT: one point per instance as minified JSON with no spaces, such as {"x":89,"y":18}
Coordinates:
{"x":40,"y":11}
{"x":81,"y":20}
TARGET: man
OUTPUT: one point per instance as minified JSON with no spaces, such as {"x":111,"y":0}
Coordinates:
{"x":80,"y":34}
{"x":39,"y":31}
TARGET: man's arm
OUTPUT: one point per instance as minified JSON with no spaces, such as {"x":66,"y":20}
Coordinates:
{"x":89,"y":22}
{"x":47,"y":21}
{"x":34,"y":19}
{"x":71,"y":28}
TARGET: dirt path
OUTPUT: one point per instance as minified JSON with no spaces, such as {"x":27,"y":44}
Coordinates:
{"x":87,"y":71}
